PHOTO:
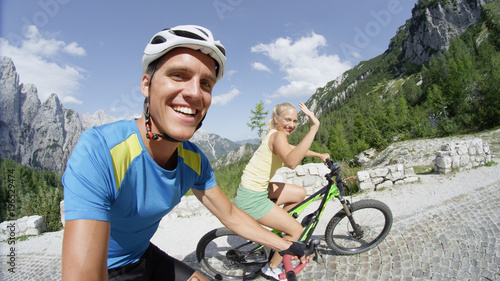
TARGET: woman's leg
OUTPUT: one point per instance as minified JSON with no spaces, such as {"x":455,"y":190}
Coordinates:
{"x":288,"y":195}
{"x":280,"y":220}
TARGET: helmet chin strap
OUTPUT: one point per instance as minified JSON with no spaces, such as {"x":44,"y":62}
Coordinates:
{"x":149,"y":134}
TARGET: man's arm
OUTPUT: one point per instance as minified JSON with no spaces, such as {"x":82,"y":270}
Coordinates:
{"x":237,"y":220}
{"x":85,"y":250}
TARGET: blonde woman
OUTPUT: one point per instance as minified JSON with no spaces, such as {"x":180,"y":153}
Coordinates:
{"x":261,"y":198}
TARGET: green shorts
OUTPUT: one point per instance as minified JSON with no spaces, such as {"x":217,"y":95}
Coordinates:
{"x":256,"y":204}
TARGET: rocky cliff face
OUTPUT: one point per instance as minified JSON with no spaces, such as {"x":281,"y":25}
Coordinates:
{"x":97,"y":119}
{"x":236,"y":155}
{"x":213,"y":145}
{"x":432,"y":27}
{"x":34,"y":134}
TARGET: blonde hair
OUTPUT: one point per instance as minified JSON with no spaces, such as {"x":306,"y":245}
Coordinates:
{"x":277,"y":111}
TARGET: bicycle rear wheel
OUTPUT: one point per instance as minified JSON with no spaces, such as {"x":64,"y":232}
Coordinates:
{"x":373,"y":217}
{"x":226,"y":256}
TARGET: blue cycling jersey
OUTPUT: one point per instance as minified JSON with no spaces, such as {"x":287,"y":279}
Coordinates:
{"x":110,"y":176}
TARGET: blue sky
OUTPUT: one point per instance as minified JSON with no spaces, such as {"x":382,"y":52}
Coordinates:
{"x":89,"y":52}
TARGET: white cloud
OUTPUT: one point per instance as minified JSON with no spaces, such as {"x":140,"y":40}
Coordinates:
{"x":225,"y":98}
{"x":74,"y":49}
{"x":306,"y":69}
{"x":229,"y":73}
{"x":261,"y":67}
{"x":356,"y":55}
{"x":38,"y":62}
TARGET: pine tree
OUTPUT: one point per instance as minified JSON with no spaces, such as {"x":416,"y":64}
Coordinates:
{"x":257,"y":119}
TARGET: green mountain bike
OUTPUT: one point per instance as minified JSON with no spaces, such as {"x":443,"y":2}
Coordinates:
{"x":356,"y":228}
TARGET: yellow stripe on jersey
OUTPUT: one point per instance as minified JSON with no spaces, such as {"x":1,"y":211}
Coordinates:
{"x":192,"y":159}
{"x":122,"y":155}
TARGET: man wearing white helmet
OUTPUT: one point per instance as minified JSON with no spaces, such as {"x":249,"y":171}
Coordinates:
{"x":122,"y":178}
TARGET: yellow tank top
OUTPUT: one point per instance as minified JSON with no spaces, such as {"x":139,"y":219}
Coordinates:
{"x":262,"y":167}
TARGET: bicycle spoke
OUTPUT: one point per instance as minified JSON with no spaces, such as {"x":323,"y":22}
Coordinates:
{"x":374,"y":221}
{"x":232,"y":257}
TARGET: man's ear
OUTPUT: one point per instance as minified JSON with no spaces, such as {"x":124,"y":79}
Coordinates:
{"x":145,"y":85}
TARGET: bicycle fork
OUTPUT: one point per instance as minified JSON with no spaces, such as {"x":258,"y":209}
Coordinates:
{"x":357,"y":232}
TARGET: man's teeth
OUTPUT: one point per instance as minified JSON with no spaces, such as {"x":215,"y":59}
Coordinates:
{"x":185,"y":110}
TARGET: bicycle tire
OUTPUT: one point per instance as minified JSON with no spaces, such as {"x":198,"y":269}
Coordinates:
{"x":374,"y":218}
{"x":226,"y":256}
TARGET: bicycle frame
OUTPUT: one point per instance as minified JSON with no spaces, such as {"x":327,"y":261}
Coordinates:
{"x":327,"y":192}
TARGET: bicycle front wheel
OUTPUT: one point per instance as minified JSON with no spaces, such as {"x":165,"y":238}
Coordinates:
{"x":226,"y":256}
{"x":373,"y":220}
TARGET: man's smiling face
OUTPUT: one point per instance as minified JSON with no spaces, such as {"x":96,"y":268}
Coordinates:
{"x":180,"y":92}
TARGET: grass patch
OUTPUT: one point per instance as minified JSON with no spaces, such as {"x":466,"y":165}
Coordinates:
{"x":490,"y":164}
{"x":423,"y":169}
{"x":20,"y":238}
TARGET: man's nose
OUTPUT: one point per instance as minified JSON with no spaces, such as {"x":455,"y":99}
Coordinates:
{"x":192,"y":89}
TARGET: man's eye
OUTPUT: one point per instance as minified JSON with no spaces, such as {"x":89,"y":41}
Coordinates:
{"x":206,"y":85}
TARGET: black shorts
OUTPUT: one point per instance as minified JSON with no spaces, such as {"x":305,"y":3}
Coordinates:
{"x":154,"y":264}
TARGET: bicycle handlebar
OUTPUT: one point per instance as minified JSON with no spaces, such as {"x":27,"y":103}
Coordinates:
{"x":290,"y":271}
{"x":331,"y":165}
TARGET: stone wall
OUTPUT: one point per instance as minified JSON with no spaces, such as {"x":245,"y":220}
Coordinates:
{"x":461,"y":155}
{"x":32,"y":225}
{"x":385,"y":177}
{"x":310,"y":176}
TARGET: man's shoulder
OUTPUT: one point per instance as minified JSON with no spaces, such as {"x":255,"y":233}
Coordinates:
{"x":193,"y":156}
{"x":191,"y":146}
{"x":111,"y":133}
{"x":115,"y":127}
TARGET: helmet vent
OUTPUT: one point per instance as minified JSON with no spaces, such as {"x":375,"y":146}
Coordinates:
{"x":187,"y":34}
{"x":203,"y":31}
{"x":158,"y":40}
{"x":221,"y":49}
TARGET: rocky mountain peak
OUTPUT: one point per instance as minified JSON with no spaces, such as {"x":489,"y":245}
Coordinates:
{"x":96,"y":119}
{"x":9,"y":87}
{"x":432,"y":27}
{"x":39,"y":135}
{"x":8,"y":71}
{"x":213,"y":145}
{"x":236,"y":155}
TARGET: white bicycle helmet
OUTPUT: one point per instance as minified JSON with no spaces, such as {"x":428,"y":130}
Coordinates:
{"x":188,"y":36}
